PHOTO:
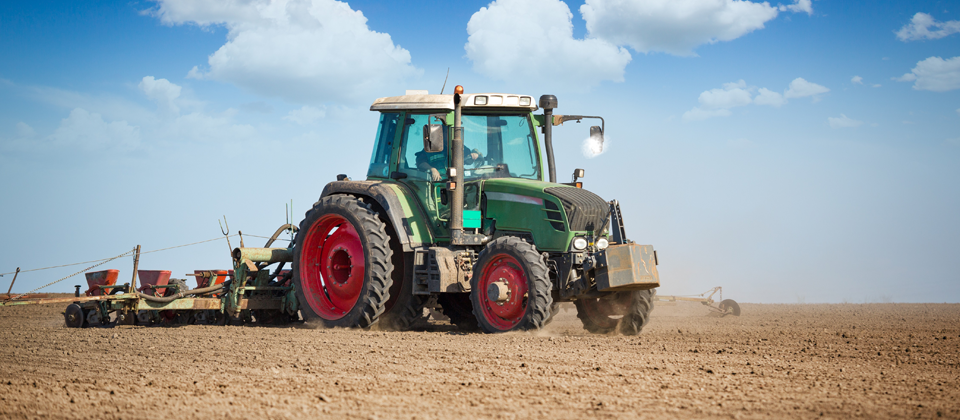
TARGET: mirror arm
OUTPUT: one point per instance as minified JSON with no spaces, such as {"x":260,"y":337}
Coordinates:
{"x":560,"y":119}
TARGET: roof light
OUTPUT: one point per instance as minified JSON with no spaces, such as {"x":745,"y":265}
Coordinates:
{"x":458,"y":90}
{"x":525,"y":101}
{"x":479,"y":100}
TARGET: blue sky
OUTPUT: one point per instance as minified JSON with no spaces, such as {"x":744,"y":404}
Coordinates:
{"x":789,"y":152}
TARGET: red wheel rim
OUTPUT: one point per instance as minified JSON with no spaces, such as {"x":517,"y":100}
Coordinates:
{"x":506,"y":314}
{"x":332,"y":267}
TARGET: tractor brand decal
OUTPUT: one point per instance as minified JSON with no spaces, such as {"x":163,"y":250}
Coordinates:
{"x":517,"y":198}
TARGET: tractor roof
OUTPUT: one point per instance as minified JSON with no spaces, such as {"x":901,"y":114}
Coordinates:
{"x":445,"y":102}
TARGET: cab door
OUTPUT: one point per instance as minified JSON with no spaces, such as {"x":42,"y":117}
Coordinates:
{"x":416,"y":167}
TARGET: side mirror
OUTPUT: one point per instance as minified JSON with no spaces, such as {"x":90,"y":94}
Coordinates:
{"x":596,"y":134}
{"x":433,"y":138}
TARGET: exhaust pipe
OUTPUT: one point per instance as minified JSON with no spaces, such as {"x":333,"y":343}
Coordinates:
{"x":456,"y":186}
{"x":548,"y":103}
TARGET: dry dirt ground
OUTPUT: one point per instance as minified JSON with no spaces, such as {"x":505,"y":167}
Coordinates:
{"x":774,"y":361}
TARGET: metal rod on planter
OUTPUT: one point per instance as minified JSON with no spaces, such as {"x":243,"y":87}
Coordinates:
{"x":13,"y":281}
{"x":136,"y":265}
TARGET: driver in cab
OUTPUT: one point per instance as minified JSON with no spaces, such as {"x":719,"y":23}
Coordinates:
{"x":436,"y":163}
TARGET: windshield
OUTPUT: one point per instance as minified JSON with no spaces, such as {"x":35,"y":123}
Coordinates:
{"x":499,"y":146}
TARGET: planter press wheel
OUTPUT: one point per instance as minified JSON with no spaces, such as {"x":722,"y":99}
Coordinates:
{"x":510,"y":289}
{"x":74,"y":316}
{"x":729,"y":307}
{"x":342,"y":264}
{"x":627,"y":312}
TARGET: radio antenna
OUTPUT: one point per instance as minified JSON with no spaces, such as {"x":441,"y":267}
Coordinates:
{"x":445,"y":81}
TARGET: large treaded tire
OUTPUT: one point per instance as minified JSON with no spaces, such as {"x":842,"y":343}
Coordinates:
{"x":404,"y":309}
{"x":374,"y":291}
{"x":525,"y":269}
{"x":458,"y":308}
{"x":635,"y":307}
{"x":639,"y":316}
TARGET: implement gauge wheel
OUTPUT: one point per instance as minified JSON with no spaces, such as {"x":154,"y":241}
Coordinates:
{"x":627,"y":312}
{"x":510,"y":288}
{"x":730,"y":307}
{"x":342,"y":264}
{"x":74,"y":317}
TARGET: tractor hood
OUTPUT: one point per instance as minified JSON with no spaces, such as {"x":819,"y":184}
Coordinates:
{"x":544,"y":207}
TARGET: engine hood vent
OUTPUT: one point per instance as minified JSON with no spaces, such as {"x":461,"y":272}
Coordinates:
{"x":585,"y":210}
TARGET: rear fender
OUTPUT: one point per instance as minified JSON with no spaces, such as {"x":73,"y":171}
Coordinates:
{"x":397,"y":202}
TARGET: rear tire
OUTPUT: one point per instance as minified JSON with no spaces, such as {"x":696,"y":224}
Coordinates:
{"x":521,"y":272}
{"x":403,"y":309}
{"x":341,"y":264}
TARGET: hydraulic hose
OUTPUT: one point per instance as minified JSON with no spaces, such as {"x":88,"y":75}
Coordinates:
{"x":168,"y":299}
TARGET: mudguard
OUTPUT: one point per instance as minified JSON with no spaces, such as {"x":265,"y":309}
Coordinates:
{"x":404,"y":214}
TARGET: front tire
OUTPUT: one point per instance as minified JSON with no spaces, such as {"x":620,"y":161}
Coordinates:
{"x":627,"y":312}
{"x":513,"y":270}
{"x":342,"y":264}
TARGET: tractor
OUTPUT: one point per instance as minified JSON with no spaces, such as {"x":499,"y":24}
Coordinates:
{"x":459,"y":211}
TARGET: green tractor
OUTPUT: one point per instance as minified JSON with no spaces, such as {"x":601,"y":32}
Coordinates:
{"x":458,"y":211}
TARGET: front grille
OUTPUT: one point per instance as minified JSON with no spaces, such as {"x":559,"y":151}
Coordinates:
{"x":585,"y":210}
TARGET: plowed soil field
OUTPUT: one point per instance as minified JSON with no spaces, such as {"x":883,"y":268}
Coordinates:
{"x":774,"y":361}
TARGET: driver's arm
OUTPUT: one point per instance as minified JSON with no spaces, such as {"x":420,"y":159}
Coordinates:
{"x":424,"y":165}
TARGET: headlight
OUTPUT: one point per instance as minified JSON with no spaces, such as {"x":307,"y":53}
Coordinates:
{"x":602,"y":243}
{"x":579,"y":244}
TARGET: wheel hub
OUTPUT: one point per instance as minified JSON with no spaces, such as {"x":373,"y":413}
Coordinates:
{"x":498,"y":291}
{"x":340,"y":265}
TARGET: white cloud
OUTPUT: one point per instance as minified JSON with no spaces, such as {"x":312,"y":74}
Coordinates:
{"x":718,"y":102}
{"x":100,"y":124}
{"x":798,"y":6}
{"x":934,"y":74}
{"x":732,"y":95}
{"x":673,"y":26}
{"x":25,"y":131}
{"x":857,"y":80}
{"x":533,"y":40}
{"x":305,"y":115}
{"x":877,"y":85}
{"x":958,"y":111}
{"x":90,"y":132}
{"x":843,"y":122}
{"x":800,"y":88}
{"x":920,"y":28}
{"x":162,"y":92}
{"x":300,"y":50}
{"x":769,"y":97}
